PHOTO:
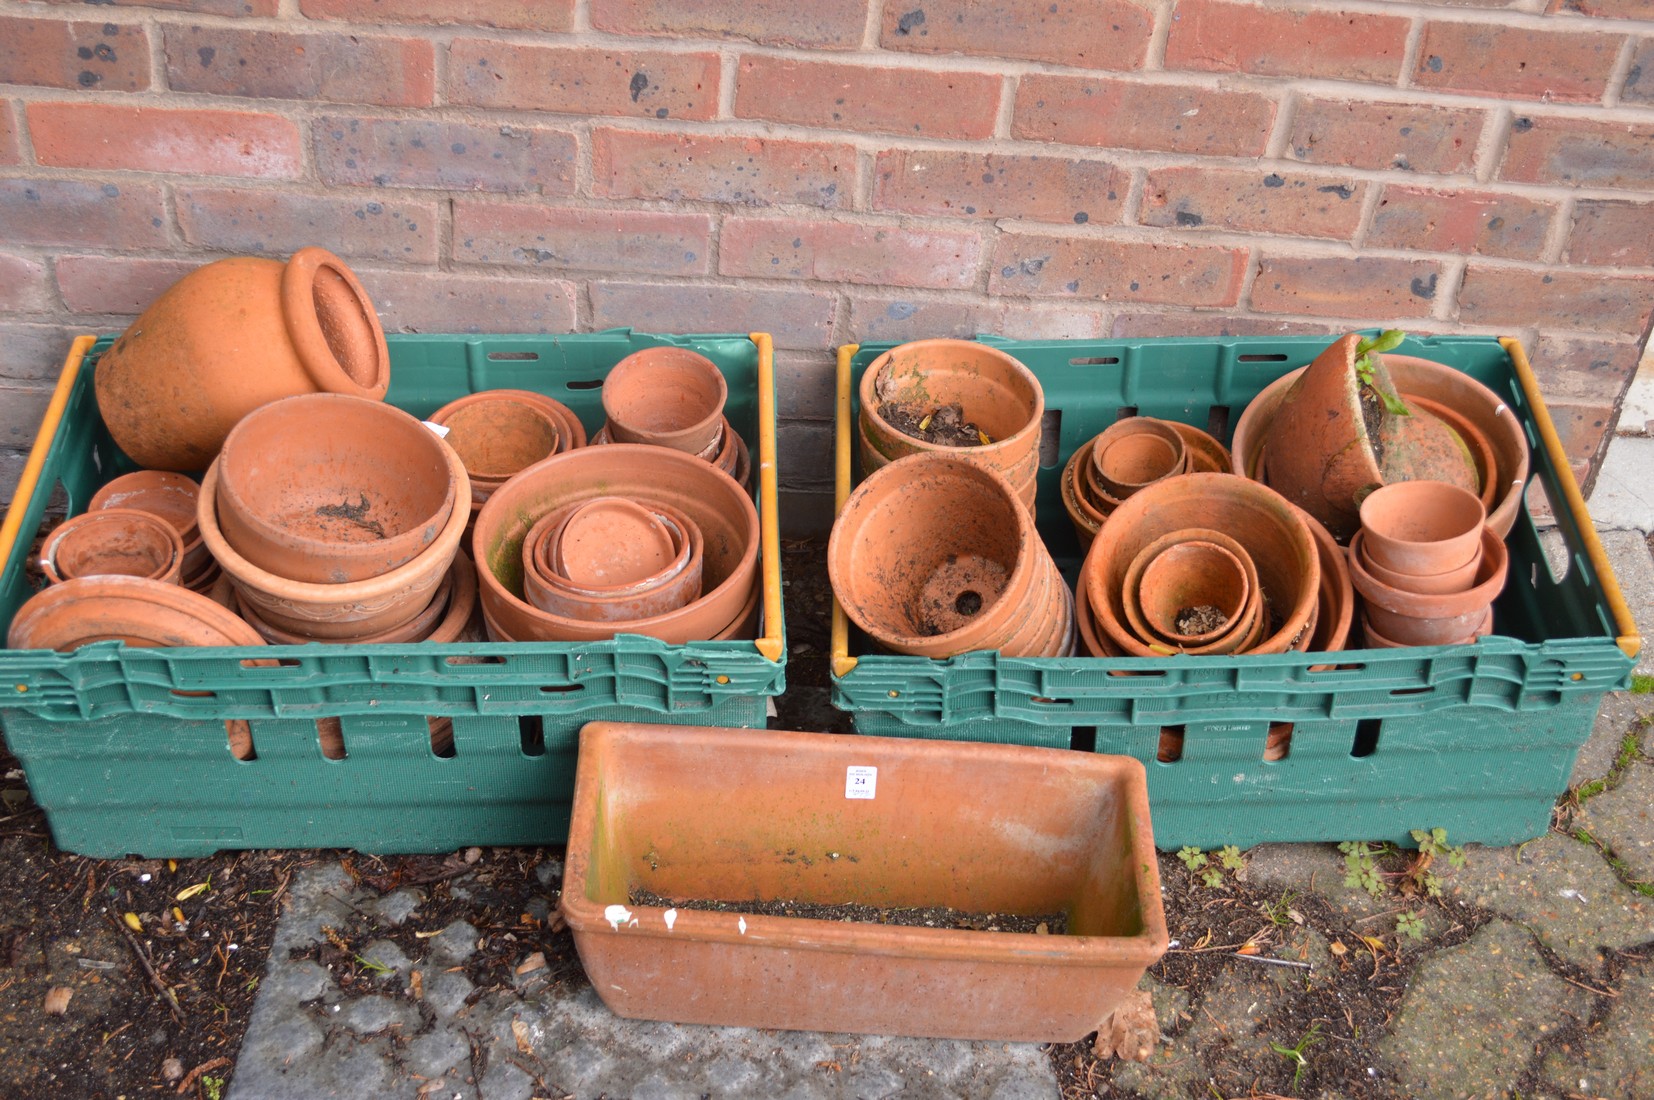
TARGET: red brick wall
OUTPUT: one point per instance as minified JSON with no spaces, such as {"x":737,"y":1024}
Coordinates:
{"x":847,"y":169}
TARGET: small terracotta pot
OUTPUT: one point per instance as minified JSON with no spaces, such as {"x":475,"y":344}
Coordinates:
{"x":1238,"y":635}
{"x":1193,"y":574}
{"x":134,"y":610}
{"x":1414,"y":618}
{"x":665,"y":397}
{"x":1206,"y":454}
{"x":1086,"y":518}
{"x":162,"y":493}
{"x":995,"y":391}
{"x":1135,"y":452}
{"x":707,"y":497}
{"x":497,"y":433}
{"x":1422,"y":528}
{"x":113,"y":542}
{"x":934,"y":556}
{"x":228,"y":338}
{"x":1379,"y":641}
{"x":352,"y":610}
{"x":729,"y":454}
{"x":1437,"y":584}
{"x":548,"y":587}
{"x":328,"y":489}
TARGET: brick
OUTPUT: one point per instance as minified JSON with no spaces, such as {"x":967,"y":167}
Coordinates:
{"x":391,"y":72}
{"x":1579,"y":151}
{"x":1245,"y":201}
{"x":583,"y":80}
{"x":541,"y":15}
{"x":117,"y":284}
{"x":62,"y":211}
{"x":57,"y":53}
{"x":1079,"y":110}
{"x":153,"y":139}
{"x":1184,"y":322}
{"x":12,"y":463}
{"x":1473,"y":222}
{"x":281,"y":222}
{"x":738,"y":170}
{"x":24,"y":284}
{"x":1091,"y":34}
{"x":1602,"y":9}
{"x":1639,"y":78}
{"x":447,"y":301}
{"x":1410,"y":136}
{"x":264,"y":8}
{"x":796,"y":318}
{"x":35,"y":352}
{"x":867,"y":98}
{"x":1371,"y":287}
{"x":844,"y":252}
{"x":1611,"y":234}
{"x":21,"y":410}
{"x":9,"y":151}
{"x":1213,"y":36}
{"x":636,"y":242}
{"x":1526,"y":62}
{"x":451,"y":156}
{"x":1556,"y":299}
{"x":828,"y":24}
{"x":953,"y":184}
{"x":1129,"y":272}
{"x":1583,"y":368}
{"x":895,"y":317}
{"x":1582,"y":429}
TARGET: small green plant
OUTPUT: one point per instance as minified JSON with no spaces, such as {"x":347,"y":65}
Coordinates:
{"x":1280,"y":913}
{"x":373,"y":965}
{"x":1201,"y":866}
{"x":1361,"y":866}
{"x":1377,"y":345}
{"x":214,"y":1087}
{"x":1433,"y":845}
{"x":1295,"y":1054}
{"x":1642,"y":685}
{"x":1410,"y":924}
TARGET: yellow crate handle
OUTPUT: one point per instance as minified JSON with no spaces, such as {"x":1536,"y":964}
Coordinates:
{"x":1630,"y":640}
{"x":26,"y":485}
{"x":771,"y":645}
{"x":843,"y":663}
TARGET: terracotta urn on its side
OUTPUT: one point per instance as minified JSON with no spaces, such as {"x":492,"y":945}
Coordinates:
{"x":231,"y":336}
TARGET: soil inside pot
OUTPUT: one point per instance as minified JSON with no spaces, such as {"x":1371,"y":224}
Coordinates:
{"x":1201,"y":619}
{"x":1372,"y":415}
{"x":355,"y":525}
{"x":934,"y":916}
{"x":945,"y":427}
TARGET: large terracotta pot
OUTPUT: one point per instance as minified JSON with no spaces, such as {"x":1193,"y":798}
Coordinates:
{"x":1335,"y":609}
{"x":666,"y":397}
{"x":336,"y":612}
{"x":329,"y":489}
{"x":229,"y":337}
{"x":440,"y":621}
{"x":134,"y":610}
{"x":113,"y":542}
{"x":934,"y":556}
{"x":706,"y":496}
{"x":169,"y":495}
{"x":995,"y":391}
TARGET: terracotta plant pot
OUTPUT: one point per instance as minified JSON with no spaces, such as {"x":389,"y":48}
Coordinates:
{"x":1435,"y":382}
{"x":1436,"y":584}
{"x":1132,"y":453}
{"x":134,"y":610}
{"x":441,"y":621}
{"x":113,"y":542}
{"x":1335,"y":609}
{"x":1197,"y":573}
{"x":729,"y":454}
{"x":1272,"y":532}
{"x":1422,"y":528}
{"x":341,"y":611}
{"x":1243,"y":630}
{"x":1085,"y":516}
{"x":995,"y":392}
{"x":168,"y":495}
{"x":329,"y":489}
{"x":1413,"y":618}
{"x":707,"y":497}
{"x":1378,"y":641}
{"x":934,"y":556}
{"x":498,"y":433}
{"x":1206,"y":454}
{"x":548,"y":586}
{"x":693,"y":813}
{"x":229,"y":337}
{"x":1475,"y":441}
{"x":666,"y":397}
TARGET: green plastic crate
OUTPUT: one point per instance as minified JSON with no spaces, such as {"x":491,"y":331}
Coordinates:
{"x":1477,"y":739}
{"x":127,"y":749}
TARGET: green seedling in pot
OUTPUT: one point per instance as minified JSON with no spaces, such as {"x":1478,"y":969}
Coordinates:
{"x":1388,"y":340}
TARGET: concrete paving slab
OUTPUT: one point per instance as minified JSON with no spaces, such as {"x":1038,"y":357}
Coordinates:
{"x":1637,"y":410}
{"x":1623,"y":498}
{"x":1633,"y":565}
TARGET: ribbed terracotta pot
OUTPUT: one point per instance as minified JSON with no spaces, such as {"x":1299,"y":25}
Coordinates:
{"x":1264,"y":523}
{"x":933,"y":556}
{"x":1422,"y":528}
{"x":666,"y":397}
{"x":134,"y":610}
{"x":330,"y":489}
{"x":229,"y":337}
{"x":1413,"y":618}
{"x":171,"y":496}
{"x":440,"y":621}
{"x":341,"y":611}
{"x":113,"y":542}
{"x":994,"y":390}
{"x":709,"y":498}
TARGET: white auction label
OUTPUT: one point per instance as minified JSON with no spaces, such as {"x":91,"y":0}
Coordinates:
{"x":860,"y":781}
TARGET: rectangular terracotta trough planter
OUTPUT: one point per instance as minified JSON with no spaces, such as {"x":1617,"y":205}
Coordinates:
{"x":730,"y":815}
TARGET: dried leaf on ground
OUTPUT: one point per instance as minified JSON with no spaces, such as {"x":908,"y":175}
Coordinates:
{"x":57,"y":1000}
{"x":1130,"y":1031}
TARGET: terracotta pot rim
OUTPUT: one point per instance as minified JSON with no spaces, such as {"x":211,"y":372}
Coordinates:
{"x":699,"y":433}
{"x":571,"y":434}
{"x":144,"y":597}
{"x":170,"y":572}
{"x":1491,"y":575}
{"x":447,"y":613}
{"x":368,"y":377}
{"x":143,"y":482}
{"x":489,"y":478}
{"x":1122,"y":429}
{"x":732,"y":632}
{"x":1012,"y":442}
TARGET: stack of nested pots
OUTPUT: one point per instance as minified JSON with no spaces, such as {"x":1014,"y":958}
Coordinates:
{"x":1427,"y":564}
{"x":338,"y":519}
{"x":1124,"y":458}
{"x":171,"y":497}
{"x":934,"y":556}
{"x":674,"y":398}
{"x":619,"y":539}
{"x":989,"y":402}
{"x":121,"y":542}
{"x":1207,"y":563}
{"x":498,"y":433}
